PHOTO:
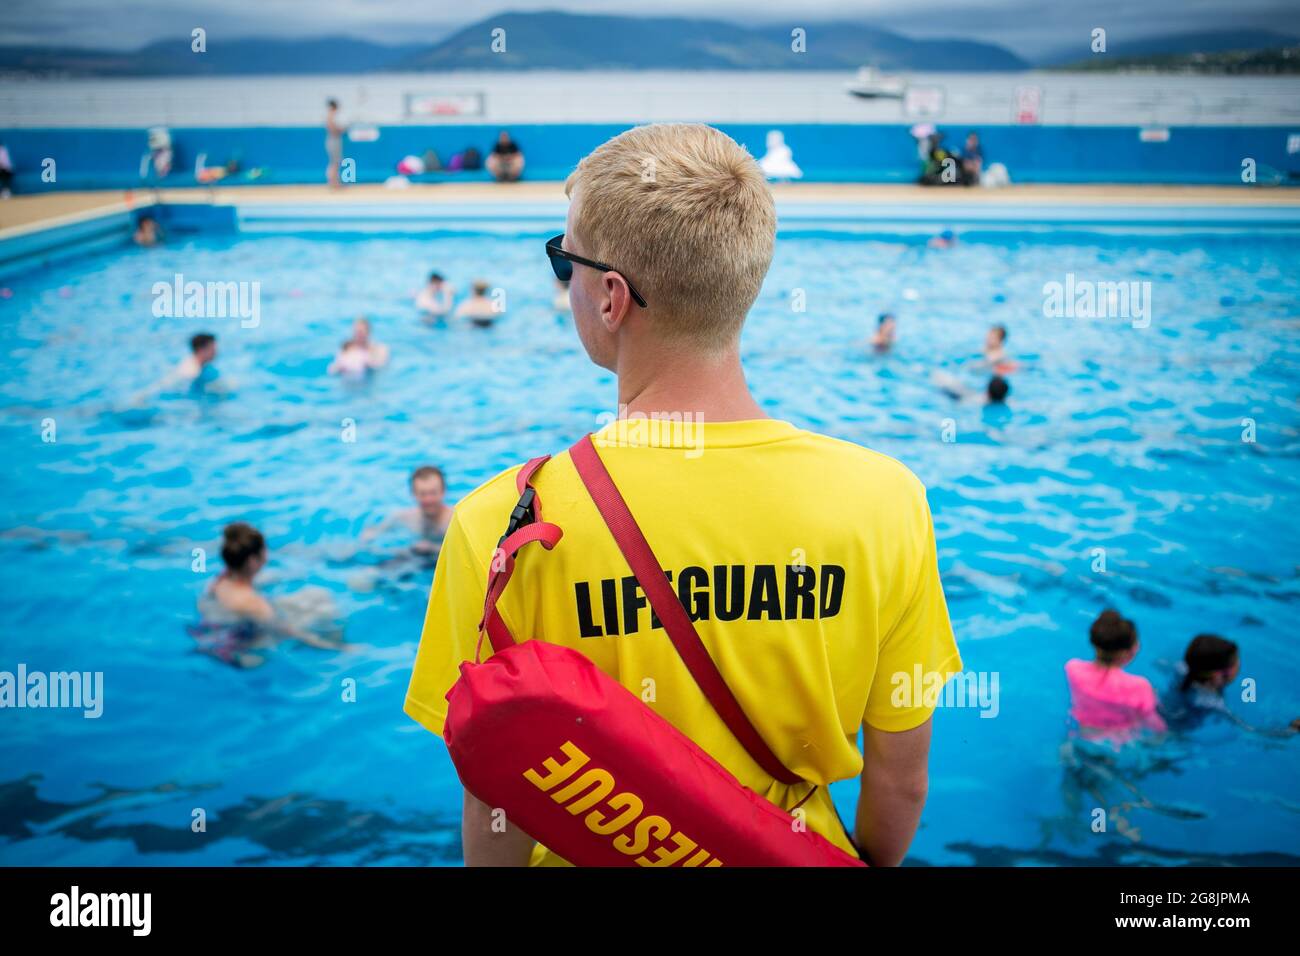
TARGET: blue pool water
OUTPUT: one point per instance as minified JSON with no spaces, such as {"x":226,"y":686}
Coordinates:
{"x":1117,"y":438}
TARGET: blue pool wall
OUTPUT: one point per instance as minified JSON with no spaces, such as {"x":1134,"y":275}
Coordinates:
{"x":110,"y":158}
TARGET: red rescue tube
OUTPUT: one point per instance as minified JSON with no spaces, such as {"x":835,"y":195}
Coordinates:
{"x":583,"y":766}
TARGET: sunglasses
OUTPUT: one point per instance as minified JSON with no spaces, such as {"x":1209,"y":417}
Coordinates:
{"x":562,"y":262}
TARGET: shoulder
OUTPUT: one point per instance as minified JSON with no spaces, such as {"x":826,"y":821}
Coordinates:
{"x":1079,"y":671}
{"x":482,"y":514}
{"x":875,"y":470}
{"x":1138,"y":686}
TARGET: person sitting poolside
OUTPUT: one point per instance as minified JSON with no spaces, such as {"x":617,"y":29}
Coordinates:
{"x":972,"y":160}
{"x":506,"y":161}
{"x":237,"y":618}
{"x":479,"y":308}
{"x":886,"y":332}
{"x":1106,"y":702}
{"x":6,"y":172}
{"x":146,"y":232}
{"x":435,"y":299}
{"x":1210,"y":665}
{"x":429,"y":519}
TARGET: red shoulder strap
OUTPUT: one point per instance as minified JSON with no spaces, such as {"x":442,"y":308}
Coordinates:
{"x":663,"y":600}
{"x":526,"y":525}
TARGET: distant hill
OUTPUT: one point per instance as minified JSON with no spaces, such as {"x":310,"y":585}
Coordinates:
{"x":222,"y":58}
{"x":1212,"y":50}
{"x":535,"y":41}
{"x":569,"y":41}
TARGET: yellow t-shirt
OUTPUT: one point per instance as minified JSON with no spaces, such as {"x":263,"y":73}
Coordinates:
{"x":807,"y":563}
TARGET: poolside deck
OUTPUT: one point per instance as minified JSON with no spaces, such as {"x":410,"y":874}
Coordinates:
{"x":23,"y":214}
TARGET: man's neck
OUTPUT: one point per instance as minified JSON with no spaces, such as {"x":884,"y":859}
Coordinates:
{"x":710,"y":387}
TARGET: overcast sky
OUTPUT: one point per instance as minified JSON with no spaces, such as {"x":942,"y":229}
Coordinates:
{"x":1024,"y":26}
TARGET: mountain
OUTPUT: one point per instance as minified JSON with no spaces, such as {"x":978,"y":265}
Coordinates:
{"x":247,"y":56}
{"x":1171,"y":47}
{"x":533,"y":41}
{"x":568,"y":41}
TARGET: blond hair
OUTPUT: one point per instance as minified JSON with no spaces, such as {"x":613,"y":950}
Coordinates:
{"x":684,"y":212}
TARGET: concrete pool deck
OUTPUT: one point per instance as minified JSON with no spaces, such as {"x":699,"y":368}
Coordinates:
{"x":25,"y":214}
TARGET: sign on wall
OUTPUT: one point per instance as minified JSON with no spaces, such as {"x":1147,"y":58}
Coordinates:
{"x":434,"y":105}
{"x":921,"y":102}
{"x":1028,"y":104}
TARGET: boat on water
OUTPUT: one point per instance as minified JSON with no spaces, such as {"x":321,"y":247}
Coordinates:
{"x":871,"y":84}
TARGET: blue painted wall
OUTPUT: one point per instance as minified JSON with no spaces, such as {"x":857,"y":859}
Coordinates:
{"x":110,"y":158}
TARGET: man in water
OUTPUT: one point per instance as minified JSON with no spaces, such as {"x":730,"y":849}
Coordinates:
{"x":434,"y":300}
{"x":886,"y":332}
{"x":479,"y":309}
{"x":428,"y":519}
{"x":662,"y":276}
{"x":196,"y":371}
{"x":146,"y":232}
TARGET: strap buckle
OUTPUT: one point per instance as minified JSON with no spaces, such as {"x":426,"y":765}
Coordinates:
{"x":522,"y":515}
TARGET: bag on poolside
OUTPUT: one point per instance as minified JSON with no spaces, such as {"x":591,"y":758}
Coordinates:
{"x":580,"y":763}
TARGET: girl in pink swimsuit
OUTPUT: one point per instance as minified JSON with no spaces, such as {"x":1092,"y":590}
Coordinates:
{"x":1106,"y":702}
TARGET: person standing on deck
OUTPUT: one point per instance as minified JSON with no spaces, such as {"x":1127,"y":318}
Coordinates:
{"x":819,"y":615}
{"x":334,"y":130}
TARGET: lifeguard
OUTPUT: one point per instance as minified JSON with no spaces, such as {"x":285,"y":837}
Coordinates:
{"x":662,"y":271}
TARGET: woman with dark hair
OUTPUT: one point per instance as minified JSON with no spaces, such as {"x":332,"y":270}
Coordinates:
{"x":1210,"y":665}
{"x":238,"y":618}
{"x":1105,"y":700}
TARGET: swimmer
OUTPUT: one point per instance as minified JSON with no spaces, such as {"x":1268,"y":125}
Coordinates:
{"x":994,"y":393}
{"x":197,"y":368}
{"x":945,"y":240}
{"x":350,"y":362}
{"x":1106,"y":702}
{"x":995,"y":352}
{"x":1210,"y":664}
{"x":434,"y":300}
{"x":480,"y":310}
{"x":560,"y":302}
{"x":195,"y":372}
{"x":237,"y":618}
{"x":373,"y":353}
{"x":146,"y":232}
{"x":429,"y":519}
{"x":886,"y":332}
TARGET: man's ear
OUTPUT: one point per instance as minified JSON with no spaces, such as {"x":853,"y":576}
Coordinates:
{"x":616,"y":301}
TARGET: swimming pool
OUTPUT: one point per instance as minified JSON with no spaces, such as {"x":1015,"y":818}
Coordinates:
{"x":1116,"y":437}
